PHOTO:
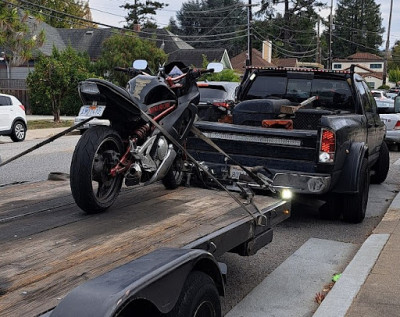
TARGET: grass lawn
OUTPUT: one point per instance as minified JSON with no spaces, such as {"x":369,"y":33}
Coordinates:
{"x":48,"y":124}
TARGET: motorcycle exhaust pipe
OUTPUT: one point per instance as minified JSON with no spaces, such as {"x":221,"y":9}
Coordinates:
{"x":164,"y":166}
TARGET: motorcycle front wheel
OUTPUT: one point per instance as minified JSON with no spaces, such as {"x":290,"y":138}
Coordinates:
{"x":174,"y":176}
{"x":97,"y":152}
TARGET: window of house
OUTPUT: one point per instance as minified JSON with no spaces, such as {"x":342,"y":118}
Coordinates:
{"x":337,"y":66}
{"x":375,"y":66}
{"x":371,"y":84}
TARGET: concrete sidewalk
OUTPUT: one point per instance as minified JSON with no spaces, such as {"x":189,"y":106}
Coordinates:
{"x":370,"y":285}
{"x":46,"y":133}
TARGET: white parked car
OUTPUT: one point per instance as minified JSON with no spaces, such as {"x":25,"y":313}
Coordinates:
{"x":12,"y":118}
{"x":379,"y":94}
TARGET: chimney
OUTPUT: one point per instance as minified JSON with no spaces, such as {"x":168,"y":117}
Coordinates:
{"x":267,"y":51}
{"x":136,"y":27}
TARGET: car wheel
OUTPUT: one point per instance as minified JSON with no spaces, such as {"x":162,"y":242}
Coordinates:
{"x":18,"y":131}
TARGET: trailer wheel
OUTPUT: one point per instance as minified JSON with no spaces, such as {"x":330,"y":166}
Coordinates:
{"x":354,"y":206}
{"x":381,"y":167}
{"x":199,"y":298}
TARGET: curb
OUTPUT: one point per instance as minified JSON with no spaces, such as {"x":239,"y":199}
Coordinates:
{"x":341,"y":296}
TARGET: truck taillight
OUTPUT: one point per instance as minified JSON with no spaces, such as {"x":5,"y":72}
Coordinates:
{"x":397,"y":126}
{"x":328,"y":146}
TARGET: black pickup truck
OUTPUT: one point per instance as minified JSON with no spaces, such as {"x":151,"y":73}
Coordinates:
{"x":317,"y":132}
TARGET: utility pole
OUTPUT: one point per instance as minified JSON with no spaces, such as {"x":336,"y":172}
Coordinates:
{"x":330,"y":37}
{"x":249,"y":59}
{"x":318,"y":53}
{"x":387,"y":46}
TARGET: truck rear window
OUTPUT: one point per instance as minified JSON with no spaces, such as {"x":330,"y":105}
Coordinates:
{"x":332,"y":94}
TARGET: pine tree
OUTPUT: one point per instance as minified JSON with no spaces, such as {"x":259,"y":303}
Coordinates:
{"x":357,"y":28}
{"x":293,"y":33}
{"x":214,"y":24}
{"x":138,"y":13}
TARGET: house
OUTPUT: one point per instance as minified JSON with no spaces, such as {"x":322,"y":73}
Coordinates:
{"x":367,"y":65}
{"x":239,"y":61}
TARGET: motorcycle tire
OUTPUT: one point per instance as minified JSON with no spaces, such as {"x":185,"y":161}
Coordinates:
{"x":174,"y":176}
{"x":93,"y":188}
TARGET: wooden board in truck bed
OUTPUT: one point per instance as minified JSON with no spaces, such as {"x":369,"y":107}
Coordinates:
{"x":49,"y":246}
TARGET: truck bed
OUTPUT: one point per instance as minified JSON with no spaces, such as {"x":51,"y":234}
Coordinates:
{"x":49,"y":246}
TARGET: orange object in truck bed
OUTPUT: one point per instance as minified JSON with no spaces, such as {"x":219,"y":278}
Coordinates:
{"x":281,"y":124}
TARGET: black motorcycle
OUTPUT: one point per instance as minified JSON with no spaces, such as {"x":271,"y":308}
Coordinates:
{"x":148,"y":120}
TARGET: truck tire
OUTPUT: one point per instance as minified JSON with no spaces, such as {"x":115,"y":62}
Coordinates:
{"x":381,"y":167}
{"x":199,"y":297}
{"x":354,"y":206}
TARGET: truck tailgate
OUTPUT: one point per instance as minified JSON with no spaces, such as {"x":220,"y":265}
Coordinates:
{"x":257,"y":146}
{"x":49,"y":246}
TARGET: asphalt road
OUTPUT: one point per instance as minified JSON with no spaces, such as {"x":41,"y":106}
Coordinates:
{"x":243,"y":273}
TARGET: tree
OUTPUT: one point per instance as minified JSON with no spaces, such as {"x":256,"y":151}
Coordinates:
{"x":394,"y":62}
{"x":358,"y":27}
{"x":293,"y":34}
{"x":53,"y":84}
{"x":394,"y":75}
{"x":121,"y":50}
{"x":60,"y":14}
{"x":214,"y":24}
{"x":16,"y":38}
{"x":139,"y":13}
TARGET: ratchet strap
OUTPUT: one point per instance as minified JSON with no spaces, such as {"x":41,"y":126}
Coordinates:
{"x":51,"y":139}
{"x":264,"y":181}
{"x":260,"y":220}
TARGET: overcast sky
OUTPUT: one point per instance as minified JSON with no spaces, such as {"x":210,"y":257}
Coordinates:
{"x":109,"y":12}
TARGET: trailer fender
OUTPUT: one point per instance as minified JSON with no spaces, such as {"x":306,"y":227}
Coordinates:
{"x":351,"y":168}
{"x":155,"y":280}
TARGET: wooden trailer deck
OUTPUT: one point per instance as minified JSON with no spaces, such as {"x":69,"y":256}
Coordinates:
{"x":48,"y":245}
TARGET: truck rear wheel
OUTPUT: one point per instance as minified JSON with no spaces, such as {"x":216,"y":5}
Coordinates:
{"x":199,"y":298}
{"x":381,"y":167}
{"x":354,"y":206}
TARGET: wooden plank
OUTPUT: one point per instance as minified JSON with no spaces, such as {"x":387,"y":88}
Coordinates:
{"x":54,"y":255}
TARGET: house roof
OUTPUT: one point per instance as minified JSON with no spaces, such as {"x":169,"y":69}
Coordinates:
{"x":285,"y":62}
{"x":86,"y":40}
{"x":360,"y":57}
{"x":195,"y":56}
{"x":367,"y":72}
{"x":239,"y":61}
{"x":164,"y":38}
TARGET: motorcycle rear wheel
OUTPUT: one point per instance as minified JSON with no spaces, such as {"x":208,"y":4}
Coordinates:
{"x":93,"y":188}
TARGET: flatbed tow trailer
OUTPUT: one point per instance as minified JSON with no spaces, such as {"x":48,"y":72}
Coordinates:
{"x":57,"y":261}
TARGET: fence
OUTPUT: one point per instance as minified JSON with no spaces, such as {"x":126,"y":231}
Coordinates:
{"x":17,"y":88}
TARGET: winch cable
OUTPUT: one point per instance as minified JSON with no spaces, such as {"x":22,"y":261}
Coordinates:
{"x":51,"y":139}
